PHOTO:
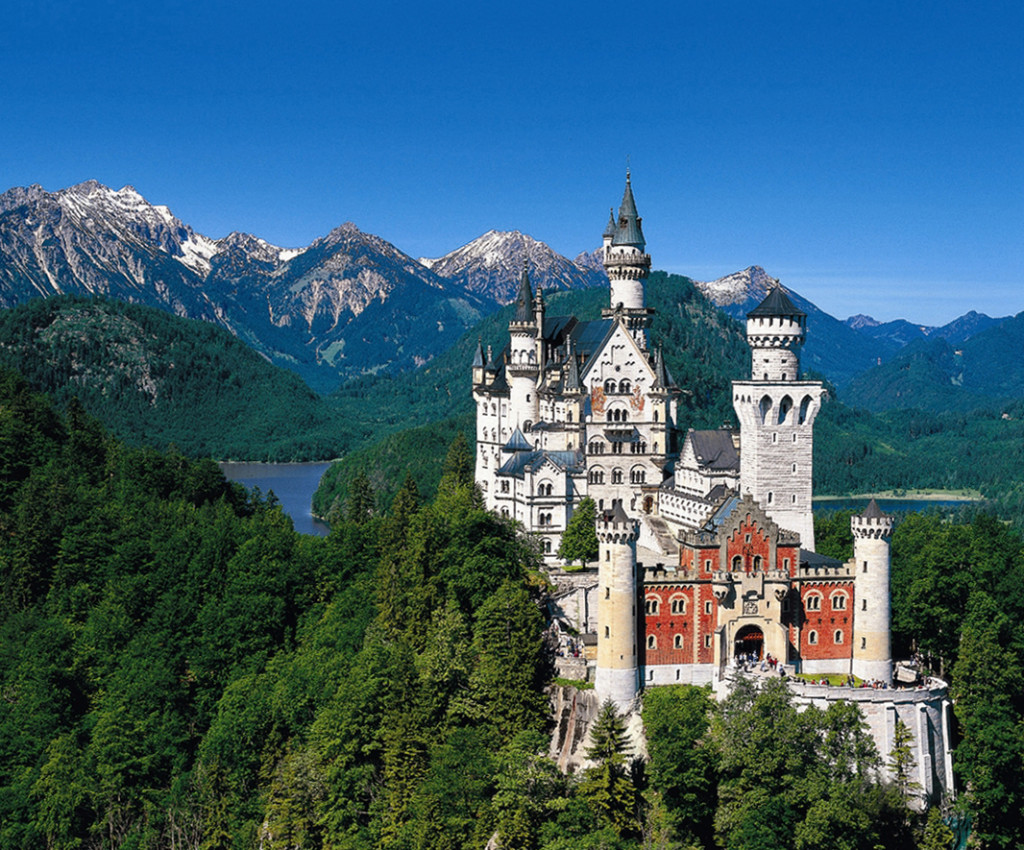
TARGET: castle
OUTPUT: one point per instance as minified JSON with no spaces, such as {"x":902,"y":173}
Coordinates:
{"x":706,"y":538}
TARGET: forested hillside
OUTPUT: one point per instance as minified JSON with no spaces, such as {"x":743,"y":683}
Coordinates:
{"x":156,"y":379}
{"x":984,"y":371}
{"x":180,"y":669}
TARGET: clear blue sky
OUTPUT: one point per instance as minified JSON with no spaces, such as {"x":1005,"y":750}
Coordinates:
{"x":868,"y":154}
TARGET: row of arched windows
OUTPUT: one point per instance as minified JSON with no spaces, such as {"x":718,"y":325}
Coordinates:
{"x":637,"y":475}
{"x":618,"y":414}
{"x":837,"y":637}
{"x":785,"y":407}
{"x":812,"y":601}
{"x":677,"y":642}
{"x":623,"y":386}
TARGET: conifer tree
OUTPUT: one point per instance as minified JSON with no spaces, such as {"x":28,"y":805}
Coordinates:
{"x":608,"y":786}
{"x":361,"y":499}
{"x":579,"y":542}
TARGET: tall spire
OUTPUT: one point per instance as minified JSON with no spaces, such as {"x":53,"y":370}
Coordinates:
{"x":524,"y":302}
{"x":609,"y":231}
{"x":628,"y":230}
{"x":572,"y":377}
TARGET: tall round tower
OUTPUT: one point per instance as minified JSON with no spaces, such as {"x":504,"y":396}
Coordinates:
{"x":628,"y":267}
{"x":523,"y":367}
{"x":872,"y":653}
{"x":776,"y":411}
{"x":617,"y":669}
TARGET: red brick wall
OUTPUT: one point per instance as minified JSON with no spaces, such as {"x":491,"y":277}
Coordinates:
{"x":826,"y":620}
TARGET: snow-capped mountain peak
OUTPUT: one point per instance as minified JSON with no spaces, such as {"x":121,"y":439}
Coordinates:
{"x":490,"y":265}
{"x":751,"y":284}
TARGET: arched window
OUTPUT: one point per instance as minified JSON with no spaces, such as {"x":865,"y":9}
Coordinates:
{"x":785,"y":406}
{"x":625,"y":387}
{"x":757,"y":562}
{"x":547,"y":546}
{"x":765,"y":408}
{"x":651,"y":605}
{"x":607,"y":632}
{"x":609,"y":386}
{"x":838,"y":636}
{"x":678,"y":604}
{"x":616,"y":476}
{"x":813,"y":602}
{"x":677,"y":642}
{"x":805,"y":407}
{"x":812,"y":638}
{"x":839,"y":602}
{"x":652,"y":642}
{"x":737,"y":562}
{"x":596,"y":476}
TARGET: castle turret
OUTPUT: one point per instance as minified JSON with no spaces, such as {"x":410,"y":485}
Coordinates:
{"x":872,"y":654}
{"x":479,"y":363}
{"x":617,"y":669}
{"x":776,"y":412}
{"x":628,"y":267}
{"x":523,"y":368}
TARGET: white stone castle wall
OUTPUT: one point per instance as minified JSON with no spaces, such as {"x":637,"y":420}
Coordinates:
{"x":776,"y":456}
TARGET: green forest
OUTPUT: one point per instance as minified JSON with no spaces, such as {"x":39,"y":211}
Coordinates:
{"x":180,"y":669}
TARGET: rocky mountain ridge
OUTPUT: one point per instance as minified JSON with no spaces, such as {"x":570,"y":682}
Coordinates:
{"x":350,"y":303}
{"x":491,"y":264}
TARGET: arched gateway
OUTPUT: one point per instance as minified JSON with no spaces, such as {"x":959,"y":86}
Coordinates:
{"x":749,"y":639}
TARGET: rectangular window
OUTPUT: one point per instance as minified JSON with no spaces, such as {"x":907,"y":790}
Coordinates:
{"x":707,"y":641}
{"x":707,"y":607}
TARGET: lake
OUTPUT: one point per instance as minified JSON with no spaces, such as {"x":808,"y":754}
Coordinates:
{"x":293,"y":483}
{"x":889,"y":506}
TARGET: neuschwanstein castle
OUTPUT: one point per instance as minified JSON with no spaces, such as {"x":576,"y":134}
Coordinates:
{"x":706,"y":537}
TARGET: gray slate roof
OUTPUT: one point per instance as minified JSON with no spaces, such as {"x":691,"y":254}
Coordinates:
{"x":515,"y":466}
{"x":628,"y":230}
{"x":517,"y":443}
{"x":872,"y":511}
{"x":715,"y":449}
{"x":524,"y":301}
{"x":776,"y":303}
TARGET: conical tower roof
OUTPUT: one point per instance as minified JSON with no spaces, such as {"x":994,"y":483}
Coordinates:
{"x":628,"y":230}
{"x":478,"y":357}
{"x":524,"y":301}
{"x":776,"y":303}
{"x":572,"y":377}
{"x":609,"y":230}
{"x":872,"y":511}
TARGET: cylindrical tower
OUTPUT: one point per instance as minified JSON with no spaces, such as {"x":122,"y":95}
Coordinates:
{"x":617,"y":669}
{"x":523,"y":367}
{"x":872,"y":653}
{"x":628,"y":267}
{"x":775,"y":331}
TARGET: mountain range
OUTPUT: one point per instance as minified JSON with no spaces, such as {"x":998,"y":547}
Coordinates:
{"x":350,"y":303}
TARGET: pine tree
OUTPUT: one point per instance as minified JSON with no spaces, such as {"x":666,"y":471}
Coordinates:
{"x":608,"y":786}
{"x":579,"y":542}
{"x":361,"y":499}
{"x":901,"y":761}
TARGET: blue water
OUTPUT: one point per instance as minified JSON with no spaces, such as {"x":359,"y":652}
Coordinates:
{"x":889,"y":506}
{"x":293,"y":483}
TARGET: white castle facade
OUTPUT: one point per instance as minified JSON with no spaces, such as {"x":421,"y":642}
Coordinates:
{"x":706,"y":538}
